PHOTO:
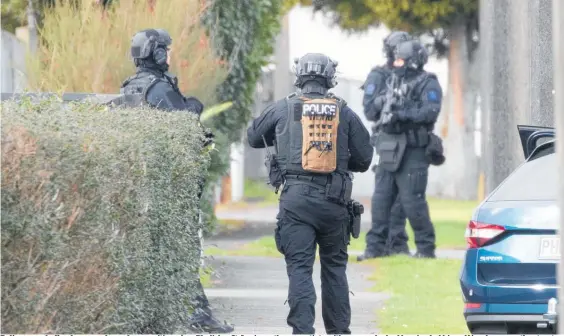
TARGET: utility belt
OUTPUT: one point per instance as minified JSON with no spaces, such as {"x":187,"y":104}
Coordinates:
{"x":417,"y":136}
{"x":337,"y":186}
{"x":317,"y":180}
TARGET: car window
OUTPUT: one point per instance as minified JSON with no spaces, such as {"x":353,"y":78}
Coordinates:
{"x":534,"y":180}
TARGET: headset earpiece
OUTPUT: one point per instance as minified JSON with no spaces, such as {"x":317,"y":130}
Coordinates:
{"x":160,"y":55}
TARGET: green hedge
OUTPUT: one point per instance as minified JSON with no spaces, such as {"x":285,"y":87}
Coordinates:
{"x":99,"y":218}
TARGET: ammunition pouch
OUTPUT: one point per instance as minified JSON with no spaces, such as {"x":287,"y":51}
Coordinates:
{"x":356,"y":209}
{"x":417,"y":137}
{"x":390,"y":149}
{"x":434,"y":150}
{"x":392,"y":127}
{"x":339,"y":189}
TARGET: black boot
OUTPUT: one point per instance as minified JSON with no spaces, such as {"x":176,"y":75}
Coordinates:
{"x":202,"y":321}
{"x":370,"y":255}
{"x":401,"y":252}
{"x":424,"y":255}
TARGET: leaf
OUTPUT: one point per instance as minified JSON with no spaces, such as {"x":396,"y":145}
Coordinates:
{"x":215,"y":110}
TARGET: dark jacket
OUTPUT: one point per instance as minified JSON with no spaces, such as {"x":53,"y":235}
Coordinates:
{"x":160,"y":90}
{"x":354,"y":152}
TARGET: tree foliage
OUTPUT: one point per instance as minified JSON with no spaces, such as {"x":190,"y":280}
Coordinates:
{"x":244,"y":33}
{"x":14,"y":12}
{"x":434,"y":17}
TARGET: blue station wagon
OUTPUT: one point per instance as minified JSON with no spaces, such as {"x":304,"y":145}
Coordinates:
{"x":509,"y":278}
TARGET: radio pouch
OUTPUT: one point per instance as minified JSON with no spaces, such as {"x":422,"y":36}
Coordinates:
{"x":339,"y":190}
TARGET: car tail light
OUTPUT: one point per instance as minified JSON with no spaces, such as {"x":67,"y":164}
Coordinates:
{"x":472,"y":305}
{"x":478,"y":234}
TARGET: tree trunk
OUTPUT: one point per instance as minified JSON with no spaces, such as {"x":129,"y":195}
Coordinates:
{"x":516,"y":63}
{"x":458,"y":177}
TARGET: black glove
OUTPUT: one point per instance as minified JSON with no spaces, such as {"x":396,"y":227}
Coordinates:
{"x":397,"y":102}
{"x":380,"y":101}
{"x":390,"y":118}
{"x":208,"y":138}
{"x":435,"y":150}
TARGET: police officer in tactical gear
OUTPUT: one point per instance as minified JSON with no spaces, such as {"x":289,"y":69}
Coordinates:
{"x":319,"y":141}
{"x":150,"y":50}
{"x":409,"y":110}
{"x":374,"y":87}
{"x":153,"y":85}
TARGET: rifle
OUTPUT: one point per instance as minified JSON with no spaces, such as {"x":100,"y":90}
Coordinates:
{"x":275,"y":178}
{"x":393,"y":96}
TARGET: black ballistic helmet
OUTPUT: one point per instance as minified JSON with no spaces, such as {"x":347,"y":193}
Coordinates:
{"x":392,"y":41}
{"x":150,"y":44}
{"x":315,"y":66}
{"x":413,"y":53}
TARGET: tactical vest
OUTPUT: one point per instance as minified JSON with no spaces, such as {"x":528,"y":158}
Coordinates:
{"x":417,"y":134}
{"x":127,"y":100}
{"x":311,"y":142}
{"x":141,"y":82}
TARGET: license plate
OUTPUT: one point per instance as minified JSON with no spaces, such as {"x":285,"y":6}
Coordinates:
{"x":549,"y":248}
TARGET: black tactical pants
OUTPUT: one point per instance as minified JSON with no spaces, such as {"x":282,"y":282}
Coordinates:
{"x":306,"y":220}
{"x":409,"y":184}
{"x":394,"y":230}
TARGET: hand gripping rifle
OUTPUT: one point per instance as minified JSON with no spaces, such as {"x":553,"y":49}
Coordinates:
{"x":392,"y":97}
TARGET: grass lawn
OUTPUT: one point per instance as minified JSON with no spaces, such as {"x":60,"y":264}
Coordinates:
{"x":258,"y":190}
{"x":450,"y":219}
{"x":425,"y":297}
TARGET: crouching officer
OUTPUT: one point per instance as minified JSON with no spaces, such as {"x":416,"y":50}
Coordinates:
{"x":410,"y":109}
{"x":374,"y":88}
{"x":154,"y":86}
{"x":319,"y":142}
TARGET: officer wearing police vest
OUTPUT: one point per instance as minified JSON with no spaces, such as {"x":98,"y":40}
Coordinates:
{"x":319,"y":142}
{"x":406,"y":145}
{"x":154,"y":86}
{"x":374,"y":87}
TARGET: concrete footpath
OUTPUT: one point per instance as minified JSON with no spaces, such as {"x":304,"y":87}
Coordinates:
{"x":250,"y":292}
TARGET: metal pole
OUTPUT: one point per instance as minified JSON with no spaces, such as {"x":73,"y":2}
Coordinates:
{"x":558,"y":40}
{"x":282,"y":78}
{"x":32,"y":28}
